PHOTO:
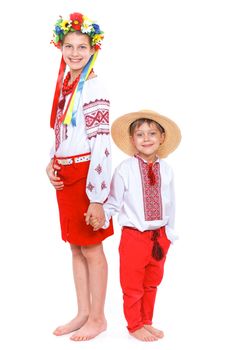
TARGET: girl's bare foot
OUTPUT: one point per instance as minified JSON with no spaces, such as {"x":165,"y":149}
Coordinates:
{"x":144,"y":335}
{"x":90,"y":330}
{"x":159,"y":334}
{"x":71,"y":326}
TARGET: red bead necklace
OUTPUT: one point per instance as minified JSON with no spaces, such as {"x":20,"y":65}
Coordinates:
{"x":67,"y":89}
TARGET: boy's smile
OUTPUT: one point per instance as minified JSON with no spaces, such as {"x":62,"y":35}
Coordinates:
{"x":147,"y":140}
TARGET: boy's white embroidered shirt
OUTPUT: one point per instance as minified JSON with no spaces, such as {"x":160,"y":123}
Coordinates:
{"x":127,"y":199}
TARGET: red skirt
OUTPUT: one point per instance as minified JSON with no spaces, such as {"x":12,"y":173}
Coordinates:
{"x":73,"y":203}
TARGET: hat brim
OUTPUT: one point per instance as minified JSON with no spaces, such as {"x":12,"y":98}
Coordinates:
{"x":121,"y":136}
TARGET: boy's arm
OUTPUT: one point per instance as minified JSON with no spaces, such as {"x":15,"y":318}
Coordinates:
{"x":115,"y":199}
{"x":170,"y":227}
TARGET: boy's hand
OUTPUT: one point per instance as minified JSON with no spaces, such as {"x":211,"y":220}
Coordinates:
{"x":95,"y":216}
{"x":95,"y":223}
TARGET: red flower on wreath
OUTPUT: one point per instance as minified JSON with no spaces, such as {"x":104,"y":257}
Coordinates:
{"x":77,"y":19}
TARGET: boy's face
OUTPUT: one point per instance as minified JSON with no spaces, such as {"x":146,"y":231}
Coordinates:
{"x":147,"y":140}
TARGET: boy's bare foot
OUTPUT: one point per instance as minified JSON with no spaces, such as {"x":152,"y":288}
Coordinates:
{"x":71,"y":326}
{"x":90,"y":330}
{"x":144,"y":335}
{"x":159,"y":334}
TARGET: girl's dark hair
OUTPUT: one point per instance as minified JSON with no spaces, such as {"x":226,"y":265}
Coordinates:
{"x":138,"y":122}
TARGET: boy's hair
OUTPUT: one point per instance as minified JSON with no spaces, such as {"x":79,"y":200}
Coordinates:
{"x":138,"y":122}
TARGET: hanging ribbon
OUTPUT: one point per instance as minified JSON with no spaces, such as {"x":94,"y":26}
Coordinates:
{"x":57,"y":92}
{"x":68,"y":117}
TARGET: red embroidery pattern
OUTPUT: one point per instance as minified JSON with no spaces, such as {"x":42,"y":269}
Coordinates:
{"x":99,"y":169}
{"x":97,"y":118}
{"x":103,"y":185}
{"x":90,"y":187}
{"x":96,"y":115}
{"x":107,"y":152}
{"x":60,"y":130}
{"x":151,"y":193}
{"x":57,"y":134}
{"x":95,"y":133}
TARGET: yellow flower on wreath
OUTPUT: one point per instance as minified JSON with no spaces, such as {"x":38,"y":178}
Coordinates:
{"x":65,"y":25}
{"x":97,"y":39}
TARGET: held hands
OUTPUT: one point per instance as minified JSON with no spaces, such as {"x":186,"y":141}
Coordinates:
{"x":95,"y":216}
{"x":51,"y":171}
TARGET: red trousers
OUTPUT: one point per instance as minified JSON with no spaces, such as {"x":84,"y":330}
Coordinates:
{"x":140,"y":274}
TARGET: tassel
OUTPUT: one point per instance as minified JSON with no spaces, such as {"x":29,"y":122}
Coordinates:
{"x":157,"y":251}
{"x":151,"y":174}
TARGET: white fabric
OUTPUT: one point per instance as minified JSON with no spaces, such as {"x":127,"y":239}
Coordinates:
{"x":77,"y":140}
{"x":126,"y":198}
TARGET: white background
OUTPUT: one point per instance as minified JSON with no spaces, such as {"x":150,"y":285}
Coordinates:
{"x":170,"y":56}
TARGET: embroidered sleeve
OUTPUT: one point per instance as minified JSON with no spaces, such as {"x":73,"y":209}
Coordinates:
{"x":96,"y":115}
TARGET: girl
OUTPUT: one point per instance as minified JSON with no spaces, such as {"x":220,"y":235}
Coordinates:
{"x":80,"y":167}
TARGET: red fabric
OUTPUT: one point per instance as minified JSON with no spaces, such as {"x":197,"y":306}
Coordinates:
{"x":140,"y":274}
{"x":57,"y":92}
{"x":73,"y":203}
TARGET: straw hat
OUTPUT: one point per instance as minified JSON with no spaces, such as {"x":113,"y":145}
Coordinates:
{"x":121,"y":136}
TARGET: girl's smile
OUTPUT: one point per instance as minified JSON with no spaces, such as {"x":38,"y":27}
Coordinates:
{"x":76,"y":52}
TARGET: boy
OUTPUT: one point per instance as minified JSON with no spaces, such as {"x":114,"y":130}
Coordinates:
{"x":142,"y":192}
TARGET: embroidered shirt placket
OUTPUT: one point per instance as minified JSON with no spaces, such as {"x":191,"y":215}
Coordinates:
{"x":151,"y":193}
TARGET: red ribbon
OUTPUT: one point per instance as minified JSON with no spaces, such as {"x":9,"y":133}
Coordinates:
{"x":57,"y":92}
{"x":68,"y":104}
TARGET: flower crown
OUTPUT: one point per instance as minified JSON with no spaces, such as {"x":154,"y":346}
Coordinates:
{"x":77,"y":22}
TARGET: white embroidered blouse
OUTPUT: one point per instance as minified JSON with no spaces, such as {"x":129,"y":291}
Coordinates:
{"x":139,"y":204}
{"x":91,"y":134}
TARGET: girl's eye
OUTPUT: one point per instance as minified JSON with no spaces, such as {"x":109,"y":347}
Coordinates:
{"x":82,"y":47}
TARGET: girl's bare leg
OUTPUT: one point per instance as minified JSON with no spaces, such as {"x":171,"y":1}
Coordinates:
{"x":97,"y":267}
{"x":81,"y":281}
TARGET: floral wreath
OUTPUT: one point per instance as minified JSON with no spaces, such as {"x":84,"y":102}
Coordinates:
{"x":77,"y":22}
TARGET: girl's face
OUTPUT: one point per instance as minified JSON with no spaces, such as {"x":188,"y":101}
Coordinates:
{"x":77,"y":50}
{"x":147,"y":140}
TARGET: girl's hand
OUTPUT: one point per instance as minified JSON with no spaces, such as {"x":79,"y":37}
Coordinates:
{"x":95,"y":215}
{"x":51,"y":171}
